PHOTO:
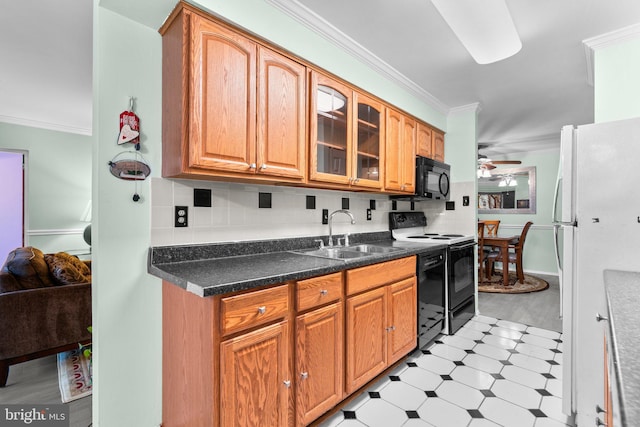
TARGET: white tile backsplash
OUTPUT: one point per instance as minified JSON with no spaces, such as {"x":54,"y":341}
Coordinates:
{"x":235,"y":216}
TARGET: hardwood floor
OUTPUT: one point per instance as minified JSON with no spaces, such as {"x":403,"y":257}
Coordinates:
{"x":540,"y":309}
{"x":36,"y":382}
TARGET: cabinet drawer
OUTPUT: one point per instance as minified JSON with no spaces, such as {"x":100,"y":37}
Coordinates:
{"x":255,"y":308}
{"x":319,"y":290}
{"x":371,"y":276}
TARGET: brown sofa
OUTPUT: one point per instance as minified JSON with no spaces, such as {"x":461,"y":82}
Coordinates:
{"x":45,"y":305}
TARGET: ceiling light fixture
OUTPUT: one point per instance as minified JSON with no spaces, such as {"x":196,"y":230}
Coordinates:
{"x":484,"y":28}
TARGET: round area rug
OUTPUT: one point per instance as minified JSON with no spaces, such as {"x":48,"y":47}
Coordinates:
{"x":531,"y":284}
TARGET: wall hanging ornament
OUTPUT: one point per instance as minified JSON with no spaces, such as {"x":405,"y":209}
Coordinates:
{"x":129,"y":127}
{"x":130,"y":166}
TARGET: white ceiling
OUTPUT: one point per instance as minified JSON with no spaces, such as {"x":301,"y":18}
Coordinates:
{"x":524,"y":100}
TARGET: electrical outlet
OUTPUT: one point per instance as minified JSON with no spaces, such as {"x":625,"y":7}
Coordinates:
{"x":182,"y":216}
{"x":465,"y":200}
{"x":325,"y":216}
{"x":368,"y":214}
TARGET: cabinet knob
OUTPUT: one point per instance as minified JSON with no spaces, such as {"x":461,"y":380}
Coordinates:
{"x":600,"y":317}
{"x":287,"y":383}
{"x":355,"y":180}
{"x":599,"y":410}
{"x":391,"y":328}
{"x":262,"y":309}
{"x":599,"y":422}
{"x":403,"y":187}
{"x":263,"y":167}
{"x":323,"y":292}
{"x":252,"y":166}
{"x":304,"y":375}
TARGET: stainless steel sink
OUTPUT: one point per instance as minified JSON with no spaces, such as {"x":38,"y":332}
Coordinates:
{"x":374,"y":249}
{"x":346,"y":252}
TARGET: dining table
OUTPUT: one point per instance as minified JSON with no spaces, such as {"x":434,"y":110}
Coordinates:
{"x":503,"y":244}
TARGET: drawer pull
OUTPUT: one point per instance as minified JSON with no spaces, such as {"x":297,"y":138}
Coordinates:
{"x":600,"y":317}
{"x":391,"y":328}
{"x":599,"y":422}
{"x":287,"y":383}
{"x":323,"y":292}
{"x":599,"y":410}
{"x":262,"y":309}
{"x":304,"y":375}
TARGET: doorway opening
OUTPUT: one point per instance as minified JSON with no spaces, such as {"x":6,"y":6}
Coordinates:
{"x":12,"y":194}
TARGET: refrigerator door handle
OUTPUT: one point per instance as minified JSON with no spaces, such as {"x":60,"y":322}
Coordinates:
{"x":556,"y":247}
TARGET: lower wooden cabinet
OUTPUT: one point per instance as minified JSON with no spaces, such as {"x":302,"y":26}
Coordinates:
{"x":286,"y":354}
{"x":381,"y":329}
{"x":319,"y":362}
{"x":255,"y":378}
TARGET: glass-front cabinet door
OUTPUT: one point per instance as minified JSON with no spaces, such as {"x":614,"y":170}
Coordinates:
{"x":330,"y":130}
{"x":369,"y":129}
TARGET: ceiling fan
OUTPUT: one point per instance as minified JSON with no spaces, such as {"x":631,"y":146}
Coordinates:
{"x":485,"y":164}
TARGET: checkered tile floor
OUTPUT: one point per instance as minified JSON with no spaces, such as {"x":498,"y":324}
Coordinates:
{"x":490,"y":373}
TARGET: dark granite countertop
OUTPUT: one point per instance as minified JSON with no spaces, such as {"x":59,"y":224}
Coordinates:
{"x":220,"y":268}
{"x":623,"y":295}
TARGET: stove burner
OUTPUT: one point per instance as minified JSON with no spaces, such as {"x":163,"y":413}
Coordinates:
{"x":431,"y":234}
{"x":422,"y":237}
{"x":441,"y":238}
{"x":453,"y":235}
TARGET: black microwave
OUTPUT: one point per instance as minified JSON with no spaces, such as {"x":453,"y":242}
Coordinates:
{"x":432,"y":179}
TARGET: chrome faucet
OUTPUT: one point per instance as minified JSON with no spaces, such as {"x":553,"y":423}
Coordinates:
{"x":353,"y":221}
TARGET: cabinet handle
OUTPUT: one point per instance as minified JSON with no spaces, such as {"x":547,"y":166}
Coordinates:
{"x":599,"y":422}
{"x":599,"y":410}
{"x":355,"y":180}
{"x":323,"y":292}
{"x":304,"y":375}
{"x":287,"y":383}
{"x":600,"y":317}
{"x":262,"y":309}
{"x":263,"y":167}
{"x":252,"y":166}
{"x":391,"y":328}
{"x":403,"y":187}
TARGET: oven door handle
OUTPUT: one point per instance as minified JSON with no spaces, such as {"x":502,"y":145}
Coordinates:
{"x":462,"y":246}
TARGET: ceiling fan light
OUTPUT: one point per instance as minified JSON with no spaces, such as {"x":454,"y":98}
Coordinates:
{"x":486,"y":173}
{"x":484,"y":28}
{"x":502,"y":183}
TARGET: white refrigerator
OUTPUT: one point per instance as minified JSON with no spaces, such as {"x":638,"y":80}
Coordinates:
{"x":596,"y":218}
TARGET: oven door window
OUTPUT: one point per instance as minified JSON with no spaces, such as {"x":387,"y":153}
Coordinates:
{"x":461,"y":279}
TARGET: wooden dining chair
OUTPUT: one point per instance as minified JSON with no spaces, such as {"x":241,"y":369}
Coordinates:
{"x":491,"y":227}
{"x":515,"y":257}
{"x":480,"y":248}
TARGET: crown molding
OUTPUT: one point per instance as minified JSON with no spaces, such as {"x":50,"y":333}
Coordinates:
{"x":607,"y":40}
{"x":319,"y":25}
{"x":469,"y":108}
{"x":44,"y":125}
{"x":549,"y":137}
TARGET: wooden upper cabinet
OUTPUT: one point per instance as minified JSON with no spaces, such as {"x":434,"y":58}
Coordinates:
{"x":438,"y":146}
{"x":330,"y":130}
{"x":231,"y":107}
{"x":281,"y":119}
{"x":400,"y":152}
{"x":423,"y":140}
{"x":222,"y":131}
{"x":369,"y":131}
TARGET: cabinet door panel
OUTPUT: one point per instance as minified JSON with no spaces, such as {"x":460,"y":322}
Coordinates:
{"x":223,"y":97}
{"x":423,"y":141}
{"x":369,"y":132}
{"x":253,"y":369}
{"x":402,"y":319}
{"x":366,"y":337}
{"x":330,"y":130}
{"x":438,"y":146}
{"x":281,"y":119}
{"x":408,"y":155}
{"x":393,"y":170}
{"x":319,"y":372}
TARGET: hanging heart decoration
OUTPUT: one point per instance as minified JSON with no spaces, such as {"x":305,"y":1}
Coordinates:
{"x":127,"y":134}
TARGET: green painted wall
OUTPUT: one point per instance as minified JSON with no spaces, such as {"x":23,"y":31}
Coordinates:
{"x":539,"y":255}
{"x":58,"y":186}
{"x":126,"y":300}
{"x":616,"y":82}
{"x":460,"y":143}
